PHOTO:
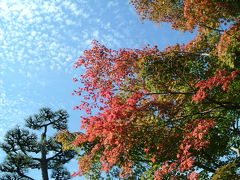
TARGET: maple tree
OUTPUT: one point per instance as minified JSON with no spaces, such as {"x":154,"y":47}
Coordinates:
{"x":169,"y":114}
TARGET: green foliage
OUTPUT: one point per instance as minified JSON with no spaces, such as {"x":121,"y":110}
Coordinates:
{"x":58,"y":119}
{"x":60,"y":173}
{"x":227,"y":172}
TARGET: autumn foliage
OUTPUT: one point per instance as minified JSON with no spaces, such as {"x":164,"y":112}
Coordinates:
{"x":154,"y":114}
{"x":188,"y":14}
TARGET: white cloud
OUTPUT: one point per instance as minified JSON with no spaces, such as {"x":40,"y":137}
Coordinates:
{"x":112,"y":4}
{"x":88,"y":42}
{"x":95,"y":34}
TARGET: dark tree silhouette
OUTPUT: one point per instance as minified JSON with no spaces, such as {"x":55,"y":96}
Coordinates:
{"x":26,"y":151}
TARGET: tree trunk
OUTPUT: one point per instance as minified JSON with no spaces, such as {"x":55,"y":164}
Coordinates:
{"x":44,"y":162}
{"x":44,"y":169}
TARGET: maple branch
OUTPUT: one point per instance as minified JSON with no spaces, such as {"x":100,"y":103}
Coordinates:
{"x":208,"y":157}
{"x":236,"y":126}
{"x":210,"y":169}
{"x":219,"y":30}
{"x":200,"y":113}
{"x":205,"y":167}
{"x":236,"y":150}
{"x":192,"y":53}
{"x":205,"y":26}
{"x":166,"y":92}
{"x":151,"y":127}
{"x":224,"y":104}
{"x":169,"y":92}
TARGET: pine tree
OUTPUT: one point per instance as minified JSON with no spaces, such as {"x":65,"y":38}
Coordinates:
{"x":25,"y":150}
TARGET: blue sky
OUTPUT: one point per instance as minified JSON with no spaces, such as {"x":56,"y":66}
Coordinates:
{"x":41,"y":39}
